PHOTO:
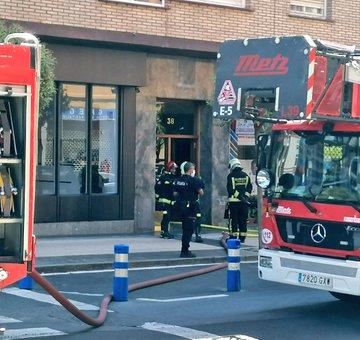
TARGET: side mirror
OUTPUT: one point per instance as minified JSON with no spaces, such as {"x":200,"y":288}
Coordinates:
{"x":264,"y":179}
{"x":287,"y":181}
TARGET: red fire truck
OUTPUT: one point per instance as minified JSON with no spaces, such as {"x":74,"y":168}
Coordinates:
{"x":19,"y":80}
{"x":309,"y":163}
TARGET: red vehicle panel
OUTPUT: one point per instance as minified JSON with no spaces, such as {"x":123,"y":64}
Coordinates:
{"x":18,"y":68}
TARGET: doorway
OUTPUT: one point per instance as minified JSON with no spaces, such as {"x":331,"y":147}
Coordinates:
{"x":177,"y":133}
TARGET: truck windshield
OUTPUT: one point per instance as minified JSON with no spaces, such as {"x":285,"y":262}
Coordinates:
{"x":317,"y":167}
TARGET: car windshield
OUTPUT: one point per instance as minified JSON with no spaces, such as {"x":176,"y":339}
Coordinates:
{"x":315,"y":166}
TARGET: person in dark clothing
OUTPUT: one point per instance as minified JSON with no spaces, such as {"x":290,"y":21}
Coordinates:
{"x":198,"y":238}
{"x":164,"y":187}
{"x":239,"y":189}
{"x":188,"y":189}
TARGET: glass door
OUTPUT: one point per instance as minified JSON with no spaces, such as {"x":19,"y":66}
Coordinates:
{"x":184,"y":149}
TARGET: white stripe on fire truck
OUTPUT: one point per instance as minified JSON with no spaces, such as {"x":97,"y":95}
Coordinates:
{"x":310,"y":85}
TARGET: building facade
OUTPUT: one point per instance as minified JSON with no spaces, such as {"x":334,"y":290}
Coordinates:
{"x":134,"y":89}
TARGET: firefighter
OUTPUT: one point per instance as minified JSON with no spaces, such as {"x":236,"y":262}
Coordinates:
{"x":239,"y":189}
{"x":188,"y":190}
{"x":164,"y":188}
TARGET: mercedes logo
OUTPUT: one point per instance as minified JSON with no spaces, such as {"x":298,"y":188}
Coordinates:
{"x":318,"y":233}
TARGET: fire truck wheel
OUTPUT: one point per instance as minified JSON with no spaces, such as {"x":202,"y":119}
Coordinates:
{"x":346,"y":297}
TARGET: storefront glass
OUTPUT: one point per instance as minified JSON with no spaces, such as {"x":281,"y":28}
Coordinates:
{"x":72,"y":139}
{"x":45,"y":177}
{"x":104,"y":140}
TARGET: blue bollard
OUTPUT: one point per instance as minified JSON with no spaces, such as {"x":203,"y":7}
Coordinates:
{"x":121,"y":266}
{"x":26,"y":283}
{"x":233,"y":272}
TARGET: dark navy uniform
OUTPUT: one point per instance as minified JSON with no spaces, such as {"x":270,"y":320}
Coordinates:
{"x":164,"y":187}
{"x":188,"y":188}
{"x":198,"y":213}
{"x":239,"y":189}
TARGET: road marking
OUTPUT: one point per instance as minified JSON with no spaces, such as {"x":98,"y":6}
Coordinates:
{"x":4,"y":319}
{"x":187,"y":333}
{"x":30,"y":333}
{"x":139,"y":269}
{"x":79,"y":272}
{"x":186,"y":298}
{"x":84,"y":294}
{"x":27,"y":294}
{"x":231,"y":337}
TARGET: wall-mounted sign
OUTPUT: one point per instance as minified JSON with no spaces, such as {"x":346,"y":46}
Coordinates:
{"x":78,"y":114}
{"x":245,"y":131}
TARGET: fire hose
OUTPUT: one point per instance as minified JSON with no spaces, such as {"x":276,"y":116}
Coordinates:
{"x":96,"y":322}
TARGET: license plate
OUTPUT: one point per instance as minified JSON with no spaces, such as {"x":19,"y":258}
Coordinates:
{"x":315,"y":280}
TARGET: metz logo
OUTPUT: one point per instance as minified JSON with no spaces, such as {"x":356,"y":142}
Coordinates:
{"x":254,"y":65}
{"x":282,"y":210}
{"x":352,"y":219}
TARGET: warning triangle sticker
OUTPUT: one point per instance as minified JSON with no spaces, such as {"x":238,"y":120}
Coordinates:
{"x":227,"y":94}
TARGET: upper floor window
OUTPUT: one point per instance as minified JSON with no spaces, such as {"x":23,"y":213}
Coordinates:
{"x":310,"y":8}
{"x":230,"y":3}
{"x":153,"y":3}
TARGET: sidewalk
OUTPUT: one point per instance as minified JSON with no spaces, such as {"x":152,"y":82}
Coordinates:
{"x":60,"y":254}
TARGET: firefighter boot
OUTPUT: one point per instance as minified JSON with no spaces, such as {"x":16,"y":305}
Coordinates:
{"x":187,"y":254}
{"x":166,"y":234}
{"x":198,"y":239}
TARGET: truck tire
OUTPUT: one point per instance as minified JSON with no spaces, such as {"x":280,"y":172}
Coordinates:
{"x":346,"y":297}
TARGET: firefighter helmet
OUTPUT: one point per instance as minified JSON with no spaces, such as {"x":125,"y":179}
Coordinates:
{"x":185,"y":167}
{"x":171,"y":165}
{"x":234,"y":163}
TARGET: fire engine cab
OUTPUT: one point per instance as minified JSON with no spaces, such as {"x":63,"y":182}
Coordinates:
{"x":309,"y":159}
{"x":19,"y":80}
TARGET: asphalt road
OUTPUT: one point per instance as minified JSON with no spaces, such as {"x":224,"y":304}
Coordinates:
{"x":194,"y":308}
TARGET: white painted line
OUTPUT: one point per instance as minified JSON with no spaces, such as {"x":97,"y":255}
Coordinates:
{"x":79,"y":272}
{"x":27,"y":294}
{"x":130,"y":269}
{"x":186,"y":333}
{"x":4,"y":319}
{"x":30,"y":333}
{"x":139,"y":269}
{"x":186,"y":298}
{"x":231,"y":337}
{"x":84,"y":294}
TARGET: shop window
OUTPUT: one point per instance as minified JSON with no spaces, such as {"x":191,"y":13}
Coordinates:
{"x":230,"y":3}
{"x":73,"y":140}
{"x":104,"y":140}
{"x":310,"y":8}
{"x":45,"y":177}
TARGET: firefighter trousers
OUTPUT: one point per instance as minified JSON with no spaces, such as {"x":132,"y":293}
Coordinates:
{"x":238,"y":217}
{"x":198,"y":218}
{"x":188,"y":224}
{"x":166,"y":219}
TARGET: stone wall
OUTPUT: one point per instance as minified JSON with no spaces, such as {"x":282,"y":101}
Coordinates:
{"x":168,"y":78}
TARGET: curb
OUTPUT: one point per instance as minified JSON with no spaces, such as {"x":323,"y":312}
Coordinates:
{"x":62,"y":268}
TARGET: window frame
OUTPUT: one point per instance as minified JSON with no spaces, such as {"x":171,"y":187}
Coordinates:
{"x":243,"y":4}
{"x":88,"y":110}
{"x":303,"y":3}
{"x":58,"y":137}
{"x":118,"y":98}
{"x":141,"y":3}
